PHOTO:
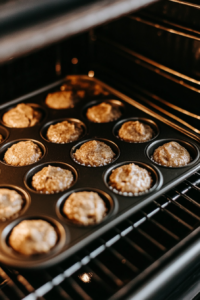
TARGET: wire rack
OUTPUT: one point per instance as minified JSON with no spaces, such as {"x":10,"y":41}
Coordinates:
{"x":119,"y":257}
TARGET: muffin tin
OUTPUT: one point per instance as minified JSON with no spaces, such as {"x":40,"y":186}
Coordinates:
{"x":72,"y":237}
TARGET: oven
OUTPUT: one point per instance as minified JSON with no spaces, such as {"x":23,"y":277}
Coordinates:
{"x":142,"y":56}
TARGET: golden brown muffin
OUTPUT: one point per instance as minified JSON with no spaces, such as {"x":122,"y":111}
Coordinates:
{"x":94,"y":153}
{"x":103,"y":113}
{"x":136,"y":132}
{"x":64,"y":132}
{"x":11,"y":203}
{"x":1,"y":138}
{"x":52,"y":180}
{"x":85,"y":208}
{"x":23,"y":115}
{"x":130,"y":179}
{"x":171,"y":154}
{"x":31,"y":237}
{"x":60,"y":100}
{"x":22,"y":154}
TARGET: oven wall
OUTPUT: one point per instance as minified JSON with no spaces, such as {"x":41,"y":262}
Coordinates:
{"x":30,"y":72}
{"x":148,"y":52}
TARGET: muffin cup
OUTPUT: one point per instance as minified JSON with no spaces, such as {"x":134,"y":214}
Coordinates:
{"x":190,"y":147}
{"x":25,"y":196}
{"x":5,"y":147}
{"x":5,"y":133}
{"x":155,"y":174}
{"x":110,"y":202}
{"x":13,"y":257}
{"x":29,"y":175}
{"x":112,"y":145}
{"x":149,"y":122}
{"x":43,"y":132}
{"x":38,"y":107}
{"x":118,"y":103}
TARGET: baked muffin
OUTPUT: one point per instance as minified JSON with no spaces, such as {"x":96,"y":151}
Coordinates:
{"x":103,"y":113}
{"x":85,"y":208}
{"x":94,"y":153}
{"x":130,"y":179}
{"x":52,"y":180}
{"x":23,"y":154}
{"x":171,"y":154}
{"x":11,"y":203}
{"x":23,"y":115}
{"x":64,"y":132}
{"x":136,"y":132}
{"x":33,"y":237}
{"x":60,"y":100}
{"x":1,"y":138}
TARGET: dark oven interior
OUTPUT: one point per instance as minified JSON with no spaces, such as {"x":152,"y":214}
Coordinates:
{"x":153,"y":57}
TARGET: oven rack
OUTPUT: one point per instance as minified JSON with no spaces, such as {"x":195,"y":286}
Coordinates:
{"x":124,"y":257}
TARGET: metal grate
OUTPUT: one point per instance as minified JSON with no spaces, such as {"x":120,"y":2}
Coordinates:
{"x":101,"y":269}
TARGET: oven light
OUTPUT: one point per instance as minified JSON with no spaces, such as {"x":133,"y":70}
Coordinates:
{"x":85,"y":277}
{"x":91,"y":73}
{"x":74,"y":61}
{"x":58,"y":68}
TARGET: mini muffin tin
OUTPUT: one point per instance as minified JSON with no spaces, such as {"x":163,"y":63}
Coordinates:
{"x":72,"y":237}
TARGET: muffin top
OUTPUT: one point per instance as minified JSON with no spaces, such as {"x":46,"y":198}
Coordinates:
{"x":60,"y":100}
{"x":94,"y":153}
{"x":11,"y":203}
{"x":85,"y":208}
{"x":52,"y":180}
{"x":21,"y":116}
{"x":103,"y":113}
{"x":64,"y":132}
{"x":135,"y":131}
{"x":130,"y":179}
{"x":22,"y":154}
{"x":33,"y":237}
{"x":171,"y":154}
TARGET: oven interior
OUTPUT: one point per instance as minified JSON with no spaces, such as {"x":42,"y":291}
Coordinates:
{"x":152,"y":56}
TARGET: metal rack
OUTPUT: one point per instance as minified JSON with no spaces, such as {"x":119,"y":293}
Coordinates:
{"x":124,"y":257}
